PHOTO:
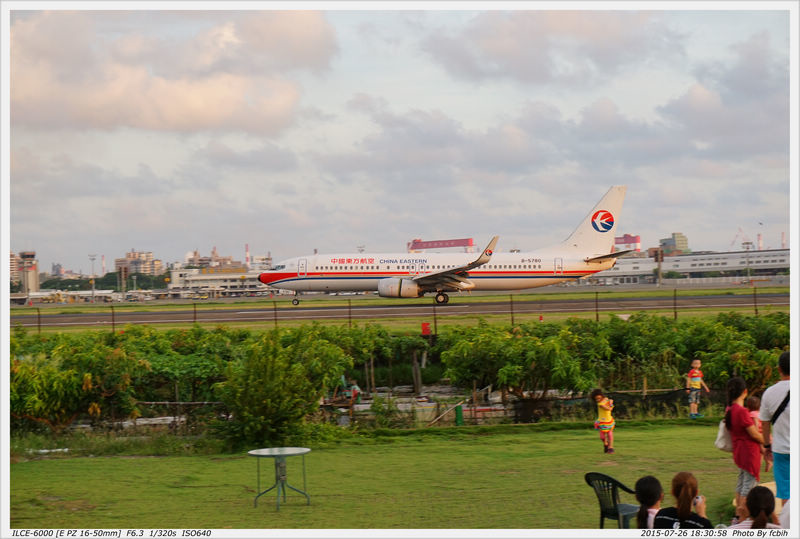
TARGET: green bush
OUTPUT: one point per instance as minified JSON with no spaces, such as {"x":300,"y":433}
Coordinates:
{"x":273,"y":388}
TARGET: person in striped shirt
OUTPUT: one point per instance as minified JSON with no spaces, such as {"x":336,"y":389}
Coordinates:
{"x":694,"y":383}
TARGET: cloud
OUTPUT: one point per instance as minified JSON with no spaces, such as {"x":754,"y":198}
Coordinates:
{"x":231,"y":76}
{"x":35,"y":179}
{"x":551,"y":46}
{"x":268,"y":157}
{"x":731,"y":111}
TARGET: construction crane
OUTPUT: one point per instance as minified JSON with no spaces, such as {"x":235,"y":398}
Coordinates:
{"x":740,"y":233}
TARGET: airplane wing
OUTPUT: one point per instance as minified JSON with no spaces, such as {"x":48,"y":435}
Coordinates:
{"x":455,"y":278}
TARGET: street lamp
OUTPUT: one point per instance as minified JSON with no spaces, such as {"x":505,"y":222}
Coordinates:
{"x":92,"y":257}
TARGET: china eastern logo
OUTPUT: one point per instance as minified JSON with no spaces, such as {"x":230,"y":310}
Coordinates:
{"x":602,"y":221}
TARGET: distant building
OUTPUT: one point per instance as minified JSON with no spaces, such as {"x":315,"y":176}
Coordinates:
{"x":213,"y":261}
{"x":628,"y":243}
{"x":14,"y":267}
{"x":731,"y":266}
{"x":28,"y":271}
{"x":215,"y":283}
{"x":138,"y":262}
{"x":678,"y":244}
{"x":261,"y":262}
{"x":416,"y":245}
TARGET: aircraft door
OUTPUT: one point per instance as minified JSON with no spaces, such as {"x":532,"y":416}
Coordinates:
{"x":558,"y":266}
{"x":301,"y":267}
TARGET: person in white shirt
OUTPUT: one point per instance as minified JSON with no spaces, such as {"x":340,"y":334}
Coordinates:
{"x":784,"y":520}
{"x":771,"y":401}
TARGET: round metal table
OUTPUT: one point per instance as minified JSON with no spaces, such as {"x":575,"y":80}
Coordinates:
{"x":279,"y":454}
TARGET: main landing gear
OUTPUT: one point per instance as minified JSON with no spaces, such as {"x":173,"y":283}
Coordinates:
{"x":441,"y":298}
{"x":295,"y":300}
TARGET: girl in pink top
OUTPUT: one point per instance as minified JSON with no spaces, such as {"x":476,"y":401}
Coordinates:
{"x":754,"y":405}
{"x":747,"y":441}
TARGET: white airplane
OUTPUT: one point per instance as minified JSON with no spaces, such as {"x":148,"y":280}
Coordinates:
{"x":589,"y":249}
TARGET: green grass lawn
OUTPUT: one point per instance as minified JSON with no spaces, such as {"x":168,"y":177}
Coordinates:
{"x":471,"y":477}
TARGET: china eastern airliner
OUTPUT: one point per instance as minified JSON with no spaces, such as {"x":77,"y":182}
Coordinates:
{"x":588,"y":250}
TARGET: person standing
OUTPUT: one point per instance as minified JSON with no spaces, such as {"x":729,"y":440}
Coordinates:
{"x":774,"y":415}
{"x":605,"y":423}
{"x":694,"y":383}
{"x":747,"y":442}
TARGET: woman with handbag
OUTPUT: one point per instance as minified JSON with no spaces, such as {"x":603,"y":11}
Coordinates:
{"x":747,"y":442}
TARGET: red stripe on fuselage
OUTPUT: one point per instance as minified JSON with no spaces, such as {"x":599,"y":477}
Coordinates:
{"x":269,"y":278}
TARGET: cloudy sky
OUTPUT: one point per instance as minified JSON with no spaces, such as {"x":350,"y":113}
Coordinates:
{"x":169,"y":131}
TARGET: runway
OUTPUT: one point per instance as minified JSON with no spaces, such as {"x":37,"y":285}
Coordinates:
{"x":316,"y":310}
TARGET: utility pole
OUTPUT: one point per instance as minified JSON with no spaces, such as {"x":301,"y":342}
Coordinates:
{"x":659,"y":259}
{"x":747,"y":246}
{"x":92,"y":257}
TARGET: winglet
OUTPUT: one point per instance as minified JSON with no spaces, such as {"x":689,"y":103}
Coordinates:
{"x":486,"y":255}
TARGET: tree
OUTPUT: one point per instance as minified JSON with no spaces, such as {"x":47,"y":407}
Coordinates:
{"x":274,"y":387}
{"x":72,"y":376}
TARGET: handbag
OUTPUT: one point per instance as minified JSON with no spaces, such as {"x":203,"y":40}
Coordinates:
{"x":723,"y":441}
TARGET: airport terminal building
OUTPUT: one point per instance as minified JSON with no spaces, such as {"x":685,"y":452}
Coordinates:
{"x":731,"y":266}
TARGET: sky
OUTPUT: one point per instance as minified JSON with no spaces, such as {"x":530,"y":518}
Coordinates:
{"x":170,"y":131}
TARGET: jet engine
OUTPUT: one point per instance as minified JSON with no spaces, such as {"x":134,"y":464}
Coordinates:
{"x":393,"y":287}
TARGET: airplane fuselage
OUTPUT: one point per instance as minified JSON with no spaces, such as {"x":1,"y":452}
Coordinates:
{"x":589,"y":249}
{"x":362,"y":272}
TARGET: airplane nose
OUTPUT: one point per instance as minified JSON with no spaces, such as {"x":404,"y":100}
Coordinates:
{"x":264,"y":278}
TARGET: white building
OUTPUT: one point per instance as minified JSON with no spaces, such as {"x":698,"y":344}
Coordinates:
{"x":215,"y":282}
{"x":741,"y":263}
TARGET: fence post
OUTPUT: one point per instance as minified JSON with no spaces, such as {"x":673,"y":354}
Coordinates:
{"x":511,"y":306}
{"x":755,"y":300}
{"x":474,"y":401}
{"x":372,"y":372}
{"x":596,"y":306}
{"x":416,"y":375}
{"x":38,"y":320}
{"x":275,"y":313}
{"x":675,"y":304}
{"x":113,"y":321}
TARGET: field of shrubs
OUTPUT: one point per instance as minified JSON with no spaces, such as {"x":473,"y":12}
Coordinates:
{"x":270,"y":382}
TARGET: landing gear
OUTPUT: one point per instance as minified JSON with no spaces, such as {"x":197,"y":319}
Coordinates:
{"x":295,"y":301}
{"x":442,"y":298}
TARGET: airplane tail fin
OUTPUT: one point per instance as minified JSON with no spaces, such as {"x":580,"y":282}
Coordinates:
{"x":595,"y":235}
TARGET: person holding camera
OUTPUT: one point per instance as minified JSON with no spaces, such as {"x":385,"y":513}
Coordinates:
{"x":689,"y":511}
